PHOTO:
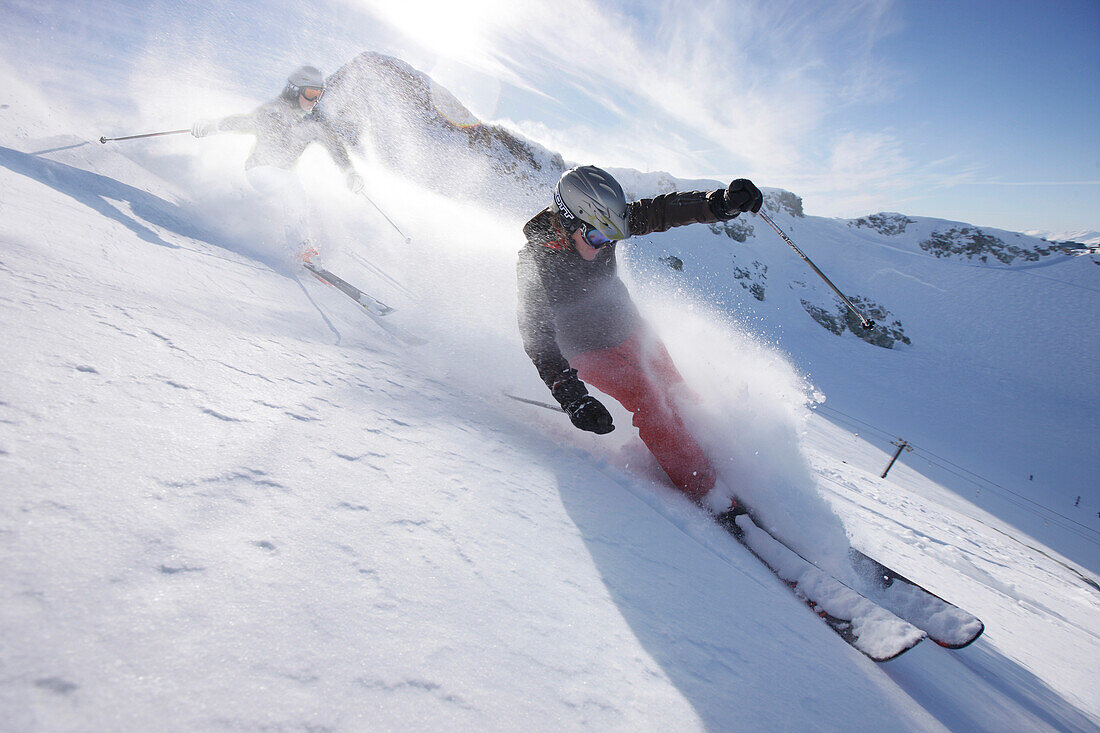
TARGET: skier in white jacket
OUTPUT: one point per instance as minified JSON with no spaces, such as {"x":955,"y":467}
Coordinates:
{"x":284,"y":128}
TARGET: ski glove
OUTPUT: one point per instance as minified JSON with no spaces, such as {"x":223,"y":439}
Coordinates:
{"x":355,"y":182}
{"x":743,"y":195}
{"x":584,"y":410}
{"x":202,"y":128}
{"x":588,"y":414}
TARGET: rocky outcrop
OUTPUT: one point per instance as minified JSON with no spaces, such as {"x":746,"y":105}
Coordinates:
{"x":388,"y":111}
{"x":886,"y":334}
{"x":887,"y":224}
{"x":776,"y":200}
{"x":972,"y":243}
{"x":673,"y":262}
{"x":737,"y":229}
{"x":753,"y":278}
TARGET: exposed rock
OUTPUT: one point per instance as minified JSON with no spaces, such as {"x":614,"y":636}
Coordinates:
{"x":735,"y":229}
{"x":841,"y":318}
{"x":665,"y":183}
{"x":776,"y":199}
{"x":972,"y":243}
{"x":674,"y":262}
{"x":1074,"y":248}
{"x":753,"y":279}
{"x":389,"y":111}
{"x":826,"y":319}
{"x":886,"y":223}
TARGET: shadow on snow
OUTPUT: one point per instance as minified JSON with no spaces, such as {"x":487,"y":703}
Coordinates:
{"x":97,"y":192}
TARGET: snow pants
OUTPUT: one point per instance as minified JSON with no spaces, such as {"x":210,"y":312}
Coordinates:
{"x":640,"y":374}
{"x":286,"y":198}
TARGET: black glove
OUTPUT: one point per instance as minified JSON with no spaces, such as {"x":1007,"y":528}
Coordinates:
{"x":584,"y":410}
{"x":743,"y":195}
{"x":588,"y":414}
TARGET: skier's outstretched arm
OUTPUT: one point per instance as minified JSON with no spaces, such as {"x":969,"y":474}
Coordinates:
{"x":676,"y":209}
{"x":250,"y":122}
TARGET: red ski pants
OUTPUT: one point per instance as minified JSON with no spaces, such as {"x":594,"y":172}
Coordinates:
{"x":640,"y":374}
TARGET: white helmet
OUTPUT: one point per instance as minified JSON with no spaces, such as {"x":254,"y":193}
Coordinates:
{"x":591,"y":196}
{"x":306,"y":76}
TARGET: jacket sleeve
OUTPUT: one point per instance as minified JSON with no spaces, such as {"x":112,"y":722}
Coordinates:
{"x":536,"y":323}
{"x":249,"y":122}
{"x":676,"y":209}
{"x":335,"y":146}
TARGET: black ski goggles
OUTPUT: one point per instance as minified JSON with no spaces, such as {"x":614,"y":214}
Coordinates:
{"x":593,"y":236}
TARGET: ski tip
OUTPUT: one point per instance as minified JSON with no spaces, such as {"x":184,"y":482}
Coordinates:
{"x":968,"y":642}
{"x":879,"y":659}
{"x":903,"y":636}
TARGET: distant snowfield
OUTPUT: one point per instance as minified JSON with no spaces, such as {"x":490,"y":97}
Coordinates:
{"x":1084,"y":236}
{"x":230,"y":501}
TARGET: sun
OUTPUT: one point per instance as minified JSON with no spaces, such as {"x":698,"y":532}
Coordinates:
{"x":461,"y":32}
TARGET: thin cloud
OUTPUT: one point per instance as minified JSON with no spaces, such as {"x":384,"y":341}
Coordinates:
{"x":701,"y":89}
{"x":1028,"y":183}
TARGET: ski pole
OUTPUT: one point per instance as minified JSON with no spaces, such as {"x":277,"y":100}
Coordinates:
{"x":106,"y":140}
{"x":536,"y":403}
{"x":864,"y":321}
{"x":368,"y":198}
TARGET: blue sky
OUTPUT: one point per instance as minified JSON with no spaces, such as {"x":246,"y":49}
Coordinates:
{"x":1013,"y":94}
{"x":985,"y":112}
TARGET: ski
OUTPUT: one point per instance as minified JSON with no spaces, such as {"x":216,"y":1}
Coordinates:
{"x":885,"y":616}
{"x":383,"y":274}
{"x":867,"y":626}
{"x":370,"y":304}
{"x":376,"y":309}
{"x":945,"y":623}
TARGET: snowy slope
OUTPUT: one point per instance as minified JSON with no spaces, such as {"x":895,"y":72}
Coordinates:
{"x":231,"y":502}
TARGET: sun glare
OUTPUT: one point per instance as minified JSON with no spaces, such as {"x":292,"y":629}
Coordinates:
{"x":460,"y":32}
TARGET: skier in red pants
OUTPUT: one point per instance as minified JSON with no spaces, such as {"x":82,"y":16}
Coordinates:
{"x":580,"y":325}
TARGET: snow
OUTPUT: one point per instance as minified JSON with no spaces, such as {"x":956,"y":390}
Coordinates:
{"x":1084,"y":236}
{"x":948,"y":625}
{"x":878,"y":633}
{"x":230,"y":501}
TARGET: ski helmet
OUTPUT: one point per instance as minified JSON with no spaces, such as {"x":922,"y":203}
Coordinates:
{"x":306,"y":76}
{"x":591,"y":196}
